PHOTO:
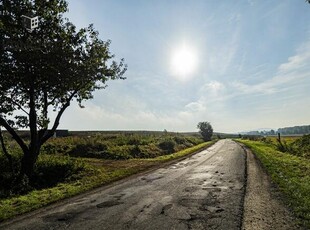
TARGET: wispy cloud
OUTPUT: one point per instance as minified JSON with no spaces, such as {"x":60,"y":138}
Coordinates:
{"x":227,"y":54}
{"x":214,"y":86}
{"x":195,"y":107}
{"x":294,"y":71}
{"x":96,"y":117}
{"x":298,"y":61}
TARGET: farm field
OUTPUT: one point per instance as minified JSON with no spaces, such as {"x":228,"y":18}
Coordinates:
{"x":70,"y":165}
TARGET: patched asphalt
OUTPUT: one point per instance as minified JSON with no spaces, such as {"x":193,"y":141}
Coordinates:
{"x":204,"y":191}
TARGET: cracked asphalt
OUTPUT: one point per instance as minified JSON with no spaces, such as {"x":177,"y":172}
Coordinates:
{"x":204,"y":191}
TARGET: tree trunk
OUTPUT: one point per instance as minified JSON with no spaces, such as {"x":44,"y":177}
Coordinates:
{"x":30,"y":156}
{"x":28,"y":162}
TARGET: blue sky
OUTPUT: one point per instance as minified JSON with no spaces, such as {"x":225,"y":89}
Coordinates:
{"x":251,"y":70}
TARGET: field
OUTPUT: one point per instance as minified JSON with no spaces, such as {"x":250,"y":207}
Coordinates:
{"x":289,"y":169}
{"x":70,"y":165}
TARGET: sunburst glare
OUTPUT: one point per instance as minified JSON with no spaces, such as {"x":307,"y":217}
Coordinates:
{"x":183,"y":62}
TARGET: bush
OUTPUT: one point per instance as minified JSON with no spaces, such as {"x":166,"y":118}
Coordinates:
{"x":51,"y":170}
{"x":120,"y":146}
{"x":180,"y":140}
{"x":7,"y":177}
{"x":122,"y":152}
{"x":168,"y":146}
{"x":301,"y":147}
{"x":266,"y":140}
{"x":89,"y":150}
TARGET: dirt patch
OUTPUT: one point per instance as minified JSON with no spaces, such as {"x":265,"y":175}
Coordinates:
{"x":263,"y":206}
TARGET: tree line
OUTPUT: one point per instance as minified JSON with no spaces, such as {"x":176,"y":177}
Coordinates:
{"x":296,"y":130}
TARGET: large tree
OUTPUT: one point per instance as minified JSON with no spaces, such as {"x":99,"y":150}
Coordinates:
{"x":205,"y":130}
{"x":45,"y":69}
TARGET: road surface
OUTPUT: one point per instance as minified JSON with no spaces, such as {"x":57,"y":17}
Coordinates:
{"x":204,"y":191}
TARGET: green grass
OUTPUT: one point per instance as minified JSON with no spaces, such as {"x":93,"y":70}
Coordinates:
{"x":291,"y":174}
{"x":95,"y":173}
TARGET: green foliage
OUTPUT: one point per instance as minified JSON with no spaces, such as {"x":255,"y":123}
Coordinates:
{"x":51,"y":170}
{"x":46,"y":69}
{"x":301,"y":147}
{"x":7,"y":178}
{"x":206,"y":130}
{"x":167,"y":145}
{"x":305,"y":129}
{"x":266,"y":140}
{"x":251,"y":137}
{"x":290,"y":173}
{"x":298,"y":146}
{"x":119,"y":146}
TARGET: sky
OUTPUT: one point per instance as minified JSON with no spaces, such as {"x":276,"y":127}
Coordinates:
{"x":241,"y":65}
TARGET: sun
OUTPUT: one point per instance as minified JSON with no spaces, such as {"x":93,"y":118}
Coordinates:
{"x":183,"y":62}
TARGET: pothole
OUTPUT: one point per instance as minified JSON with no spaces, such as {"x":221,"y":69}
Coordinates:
{"x":109,"y":203}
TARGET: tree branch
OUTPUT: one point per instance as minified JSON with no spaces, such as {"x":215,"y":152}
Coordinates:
{"x":5,"y":151}
{"x":18,"y":105}
{"x":51,"y":132}
{"x":15,"y":136}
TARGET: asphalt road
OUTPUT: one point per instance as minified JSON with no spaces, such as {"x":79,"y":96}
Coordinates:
{"x":205,"y":191}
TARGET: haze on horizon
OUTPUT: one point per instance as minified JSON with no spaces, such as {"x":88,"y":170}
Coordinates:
{"x":241,"y":65}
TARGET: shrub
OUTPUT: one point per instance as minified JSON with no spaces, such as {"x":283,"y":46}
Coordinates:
{"x":89,"y":150}
{"x":167,"y":145}
{"x":180,"y":140}
{"x":120,"y":146}
{"x":301,"y":147}
{"x":266,"y":140}
{"x":150,"y":151}
{"x":122,"y":152}
{"x":51,"y":170}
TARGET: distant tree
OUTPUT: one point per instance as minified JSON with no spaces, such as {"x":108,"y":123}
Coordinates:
{"x":206,"y":130}
{"x":295,"y":130}
{"x":45,"y":69}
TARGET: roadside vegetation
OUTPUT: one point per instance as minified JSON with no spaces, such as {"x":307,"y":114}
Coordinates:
{"x":70,"y":165}
{"x":288,"y":163}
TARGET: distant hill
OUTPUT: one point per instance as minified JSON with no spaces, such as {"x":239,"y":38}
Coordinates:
{"x":296,"y":130}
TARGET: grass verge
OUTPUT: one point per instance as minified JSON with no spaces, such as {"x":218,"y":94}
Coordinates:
{"x":290,"y":173}
{"x":97,"y":172}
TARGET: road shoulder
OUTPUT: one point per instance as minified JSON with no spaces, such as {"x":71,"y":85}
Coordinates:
{"x":263,"y":205}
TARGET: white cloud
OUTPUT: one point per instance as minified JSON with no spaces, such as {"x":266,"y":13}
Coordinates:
{"x":263,"y":88}
{"x":95,"y":117}
{"x":215,"y":86}
{"x":298,"y":61}
{"x":195,"y":107}
{"x":294,"y":71}
{"x":222,"y":55}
